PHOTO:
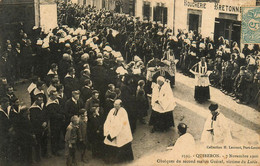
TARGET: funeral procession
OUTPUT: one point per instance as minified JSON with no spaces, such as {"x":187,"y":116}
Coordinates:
{"x":129,"y":82}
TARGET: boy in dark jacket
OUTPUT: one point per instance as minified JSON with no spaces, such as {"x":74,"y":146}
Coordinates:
{"x":71,"y":138}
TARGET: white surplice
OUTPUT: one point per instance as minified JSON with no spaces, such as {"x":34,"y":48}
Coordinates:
{"x":185,"y":144}
{"x":164,"y":96}
{"x":221,"y":130}
{"x":118,"y":127}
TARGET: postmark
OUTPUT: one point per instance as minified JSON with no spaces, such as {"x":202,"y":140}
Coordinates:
{"x":250,"y":33}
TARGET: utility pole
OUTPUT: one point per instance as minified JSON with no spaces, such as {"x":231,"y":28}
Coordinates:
{"x":37,"y":12}
{"x":174,"y":7}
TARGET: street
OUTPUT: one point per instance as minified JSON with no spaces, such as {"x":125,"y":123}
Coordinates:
{"x":244,"y":120}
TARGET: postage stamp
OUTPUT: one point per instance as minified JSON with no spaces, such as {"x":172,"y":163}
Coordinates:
{"x":250,"y":33}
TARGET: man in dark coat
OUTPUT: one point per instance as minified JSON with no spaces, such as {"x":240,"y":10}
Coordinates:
{"x":51,"y":74}
{"x":128,"y":100}
{"x":86,"y":90}
{"x":95,"y":130}
{"x":84,"y":75}
{"x":39,"y":91}
{"x":110,"y":38}
{"x":25,"y":136}
{"x":64,"y":65}
{"x":10,"y":95}
{"x":5,"y":67}
{"x":3,"y":86}
{"x":11,"y":62}
{"x":57,"y":119}
{"x":32,"y":87}
{"x":5,"y":130}
{"x":38,"y":117}
{"x":26,"y":53}
{"x":70,"y":82}
{"x":99,"y":78}
{"x":61,"y":96}
{"x":84,"y":60}
{"x":91,"y":101}
{"x":18,"y":60}
{"x":243,"y":79}
{"x":62,"y":101}
{"x":44,"y":60}
{"x":72,"y":106}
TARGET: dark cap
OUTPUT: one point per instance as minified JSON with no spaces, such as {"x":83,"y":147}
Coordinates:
{"x":213,"y":107}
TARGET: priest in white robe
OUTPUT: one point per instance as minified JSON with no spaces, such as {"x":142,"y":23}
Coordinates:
{"x":216,"y":129}
{"x":185,"y":144}
{"x":118,"y":135}
{"x":163,"y":104}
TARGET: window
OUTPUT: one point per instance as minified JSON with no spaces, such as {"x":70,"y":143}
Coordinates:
{"x":132,"y":7}
{"x":146,"y":11}
{"x":257,"y":2}
{"x":228,"y":28}
{"x":160,"y":13}
{"x":194,"y":20}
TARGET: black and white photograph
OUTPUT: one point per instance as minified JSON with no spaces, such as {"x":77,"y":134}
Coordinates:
{"x":129,"y":82}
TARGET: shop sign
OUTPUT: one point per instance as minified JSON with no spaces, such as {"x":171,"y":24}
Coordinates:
{"x":195,"y":4}
{"x":227,"y":8}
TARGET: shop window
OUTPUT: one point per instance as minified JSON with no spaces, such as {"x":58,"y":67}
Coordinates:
{"x":194,"y":20}
{"x":118,"y":5}
{"x":160,"y":13}
{"x":228,"y":27}
{"x":132,"y":7}
{"x":147,"y":11}
{"x":257,"y":2}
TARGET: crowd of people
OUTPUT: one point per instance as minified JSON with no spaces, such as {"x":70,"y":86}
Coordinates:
{"x":234,"y":72}
{"x":97,"y":63}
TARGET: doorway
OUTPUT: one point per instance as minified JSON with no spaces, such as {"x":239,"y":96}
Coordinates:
{"x":194,"y":20}
{"x":229,"y":29}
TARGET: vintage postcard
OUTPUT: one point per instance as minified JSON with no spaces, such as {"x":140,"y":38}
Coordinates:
{"x":130,"y":82}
